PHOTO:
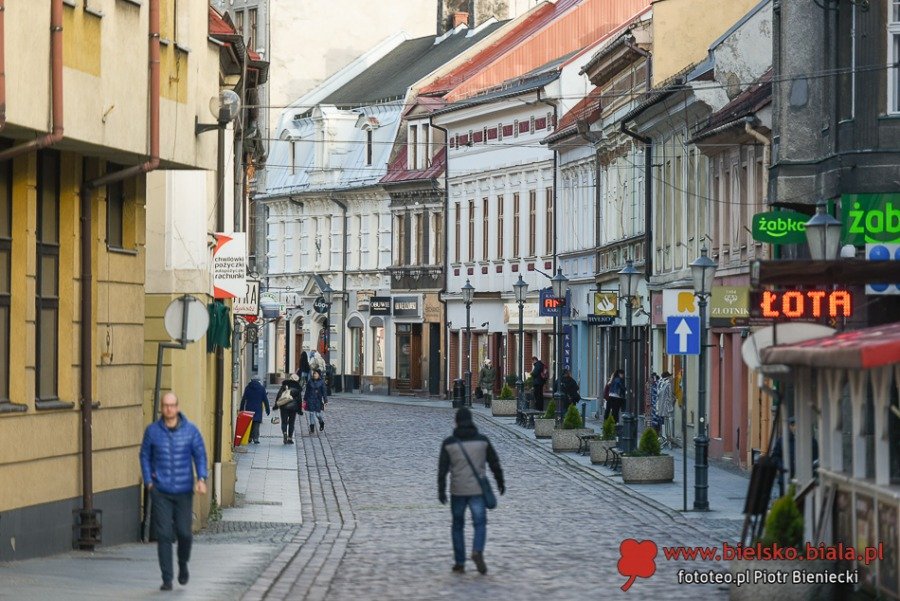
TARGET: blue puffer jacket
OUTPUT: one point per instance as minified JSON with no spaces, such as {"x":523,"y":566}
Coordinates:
{"x":315,"y":395}
{"x":168,"y":457}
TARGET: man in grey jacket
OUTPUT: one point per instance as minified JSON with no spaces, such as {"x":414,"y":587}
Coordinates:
{"x":465,"y":489}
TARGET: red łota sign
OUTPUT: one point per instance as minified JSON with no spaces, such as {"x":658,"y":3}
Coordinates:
{"x":801,"y":304}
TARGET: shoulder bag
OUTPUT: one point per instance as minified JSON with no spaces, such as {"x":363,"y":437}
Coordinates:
{"x":284,"y":398}
{"x":490,"y":500}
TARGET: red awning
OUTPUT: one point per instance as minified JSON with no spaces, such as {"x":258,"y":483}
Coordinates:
{"x":856,"y":349}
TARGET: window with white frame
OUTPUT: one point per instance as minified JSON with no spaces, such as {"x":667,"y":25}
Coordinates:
{"x":893,"y":48}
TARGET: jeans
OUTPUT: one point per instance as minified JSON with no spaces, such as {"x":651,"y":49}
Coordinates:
{"x":287,"y":421}
{"x":458,"y":506}
{"x":172,"y":516}
{"x":312,"y":416}
{"x":613,"y":405}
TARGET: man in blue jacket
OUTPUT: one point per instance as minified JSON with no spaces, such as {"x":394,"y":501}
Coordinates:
{"x":255,"y":399}
{"x":171,"y":449}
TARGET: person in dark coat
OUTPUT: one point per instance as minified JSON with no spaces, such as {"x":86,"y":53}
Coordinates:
{"x":538,"y":380}
{"x":465,"y":488}
{"x":778,"y":455}
{"x":304,"y":369}
{"x":570,"y":389}
{"x":315,"y":398}
{"x":255,"y":399}
{"x":614,"y":395}
{"x":171,"y":450}
{"x":290,"y":389}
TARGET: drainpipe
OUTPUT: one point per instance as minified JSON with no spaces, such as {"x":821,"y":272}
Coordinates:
{"x":56,"y":84}
{"x":346,"y":295}
{"x":89,"y":526}
{"x":446,"y":266}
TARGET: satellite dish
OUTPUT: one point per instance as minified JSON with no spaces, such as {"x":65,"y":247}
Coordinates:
{"x":197,"y":318}
{"x":788,"y":333}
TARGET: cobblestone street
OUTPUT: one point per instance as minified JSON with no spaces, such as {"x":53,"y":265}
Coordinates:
{"x":374,"y":529}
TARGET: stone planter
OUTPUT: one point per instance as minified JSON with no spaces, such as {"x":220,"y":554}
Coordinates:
{"x":598,"y":449}
{"x":567,"y":440}
{"x":503,"y":407}
{"x":543,"y":428}
{"x":774,"y":591}
{"x":648,"y":470}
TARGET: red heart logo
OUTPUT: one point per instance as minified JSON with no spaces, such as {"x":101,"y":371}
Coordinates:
{"x":637,"y":560}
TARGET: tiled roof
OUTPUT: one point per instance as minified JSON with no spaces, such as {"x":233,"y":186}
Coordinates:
{"x":398,"y":172}
{"x":587,"y":109}
{"x":748,"y":102}
{"x":508,"y":89}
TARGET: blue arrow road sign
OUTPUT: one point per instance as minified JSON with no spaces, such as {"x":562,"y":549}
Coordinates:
{"x":682,"y":335}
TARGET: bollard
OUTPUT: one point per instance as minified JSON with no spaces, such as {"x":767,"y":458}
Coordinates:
{"x":583,"y":415}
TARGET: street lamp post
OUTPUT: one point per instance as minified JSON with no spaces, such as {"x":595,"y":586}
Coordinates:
{"x":327,"y":294}
{"x":560,"y":285}
{"x":702,"y":271}
{"x":823,"y":234}
{"x":468,"y":293}
{"x":521,"y":290}
{"x":628,"y":281}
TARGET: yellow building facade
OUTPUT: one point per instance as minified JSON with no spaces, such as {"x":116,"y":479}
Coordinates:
{"x":81,"y":103}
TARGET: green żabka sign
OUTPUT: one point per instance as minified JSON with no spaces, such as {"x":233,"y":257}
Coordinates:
{"x":780,"y":227}
{"x":870,"y":219}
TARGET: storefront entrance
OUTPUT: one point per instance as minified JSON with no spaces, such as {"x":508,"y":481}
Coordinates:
{"x":409,"y":356}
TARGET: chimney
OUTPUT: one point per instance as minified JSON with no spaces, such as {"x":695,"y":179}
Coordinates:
{"x":458,"y":18}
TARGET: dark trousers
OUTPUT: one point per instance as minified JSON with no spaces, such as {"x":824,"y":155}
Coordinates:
{"x":254,"y":432}
{"x":172,"y":517}
{"x":538,"y":396}
{"x":613,"y":405}
{"x":287,"y":421}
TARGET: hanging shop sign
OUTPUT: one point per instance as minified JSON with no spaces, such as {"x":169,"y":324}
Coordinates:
{"x":230,"y":265}
{"x":248,"y":304}
{"x":550,"y":306}
{"x":801,"y":305}
{"x":728,"y":306}
{"x":606,"y":304}
{"x":406,"y":306}
{"x":380,"y":305}
{"x":780,"y":227}
{"x":871,"y":219}
{"x":567,"y":347}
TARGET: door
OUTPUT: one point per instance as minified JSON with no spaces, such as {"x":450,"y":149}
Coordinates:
{"x":415,"y":357}
{"x":434,"y":358}
{"x":404,"y":354}
{"x":298,"y":343}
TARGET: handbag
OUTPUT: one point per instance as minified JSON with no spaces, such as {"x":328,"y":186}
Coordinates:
{"x":284,"y":398}
{"x":490,"y":500}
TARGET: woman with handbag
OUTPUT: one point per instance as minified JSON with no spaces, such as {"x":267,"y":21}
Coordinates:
{"x":463,"y":456}
{"x":314,"y":400}
{"x":288,"y":402}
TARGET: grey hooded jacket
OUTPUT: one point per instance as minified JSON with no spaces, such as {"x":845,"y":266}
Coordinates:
{"x":462,"y":480}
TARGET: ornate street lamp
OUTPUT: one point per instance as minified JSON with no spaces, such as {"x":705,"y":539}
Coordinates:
{"x":468,"y":293}
{"x":628,"y":283}
{"x":560,"y":286}
{"x":521,"y":290}
{"x":823,"y":234}
{"x":703,"y":269}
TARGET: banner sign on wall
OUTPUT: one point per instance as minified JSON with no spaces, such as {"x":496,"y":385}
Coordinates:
{"x":230,"y":265}
{"x":380,"y":305}
{"x":248,"y":304}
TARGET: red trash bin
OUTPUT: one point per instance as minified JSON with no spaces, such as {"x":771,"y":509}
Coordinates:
{"x":242,"y":426}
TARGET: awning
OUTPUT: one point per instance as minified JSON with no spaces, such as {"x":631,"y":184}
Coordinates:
{"x":857,"y":349}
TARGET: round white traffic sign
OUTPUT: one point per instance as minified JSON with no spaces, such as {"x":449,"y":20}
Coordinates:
{"x":197,"y":318}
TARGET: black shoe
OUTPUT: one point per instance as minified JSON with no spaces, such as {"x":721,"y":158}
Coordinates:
{"x":459,"y":568}
{"x":183,"y":575}
{"x":478,"y":558}
{"x":255,"y":442}
{"x":322,"y":426}
{"x":290,"y":441}
{"x":166,"y":586}
{"x":312,"y":430}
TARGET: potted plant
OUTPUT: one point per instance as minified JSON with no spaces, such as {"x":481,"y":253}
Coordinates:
{"x":566,"y":437}
{"x":648,"y":465}
{"x":544,"y":426}
{"x":607,"y":441}
{"x":783,"y":527}
{"x":505,"y":404}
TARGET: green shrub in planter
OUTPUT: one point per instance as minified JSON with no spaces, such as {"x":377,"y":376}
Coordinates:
{"x":550,"y":413}
{"x":572,"y":419}
{"x":784,"y":524}
{"x":648,"y":445}
{"x":506,"y":393}
{"x":609,"y":429}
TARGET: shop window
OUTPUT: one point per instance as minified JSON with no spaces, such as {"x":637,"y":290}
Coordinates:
{"x":356,"y":351}
{"x":378,"y":350}
{"x":47,"y":291}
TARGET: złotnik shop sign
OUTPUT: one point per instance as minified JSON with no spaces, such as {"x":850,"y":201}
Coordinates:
{"x":780,"y":227}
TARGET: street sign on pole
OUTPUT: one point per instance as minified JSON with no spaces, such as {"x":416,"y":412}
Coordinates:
{"x":320,"y":305}
{"x":682,"y":335}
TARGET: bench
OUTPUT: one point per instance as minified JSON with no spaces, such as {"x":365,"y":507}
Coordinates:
{"x":531,"y":414}
{"x":616,"y":458}
{"x":583,"y":440}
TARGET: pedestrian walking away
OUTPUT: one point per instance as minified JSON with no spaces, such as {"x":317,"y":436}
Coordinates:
{"x":538,"y":379}
{"x":255,"y":399}
{"x":314,"y":401}
{"x":170,"y":452}
{"x":613,"y":395}
{"x":304,"y":369}
{"x":288,"y":403}
{"x":463,"y":455}
{"x":486,"y":378}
